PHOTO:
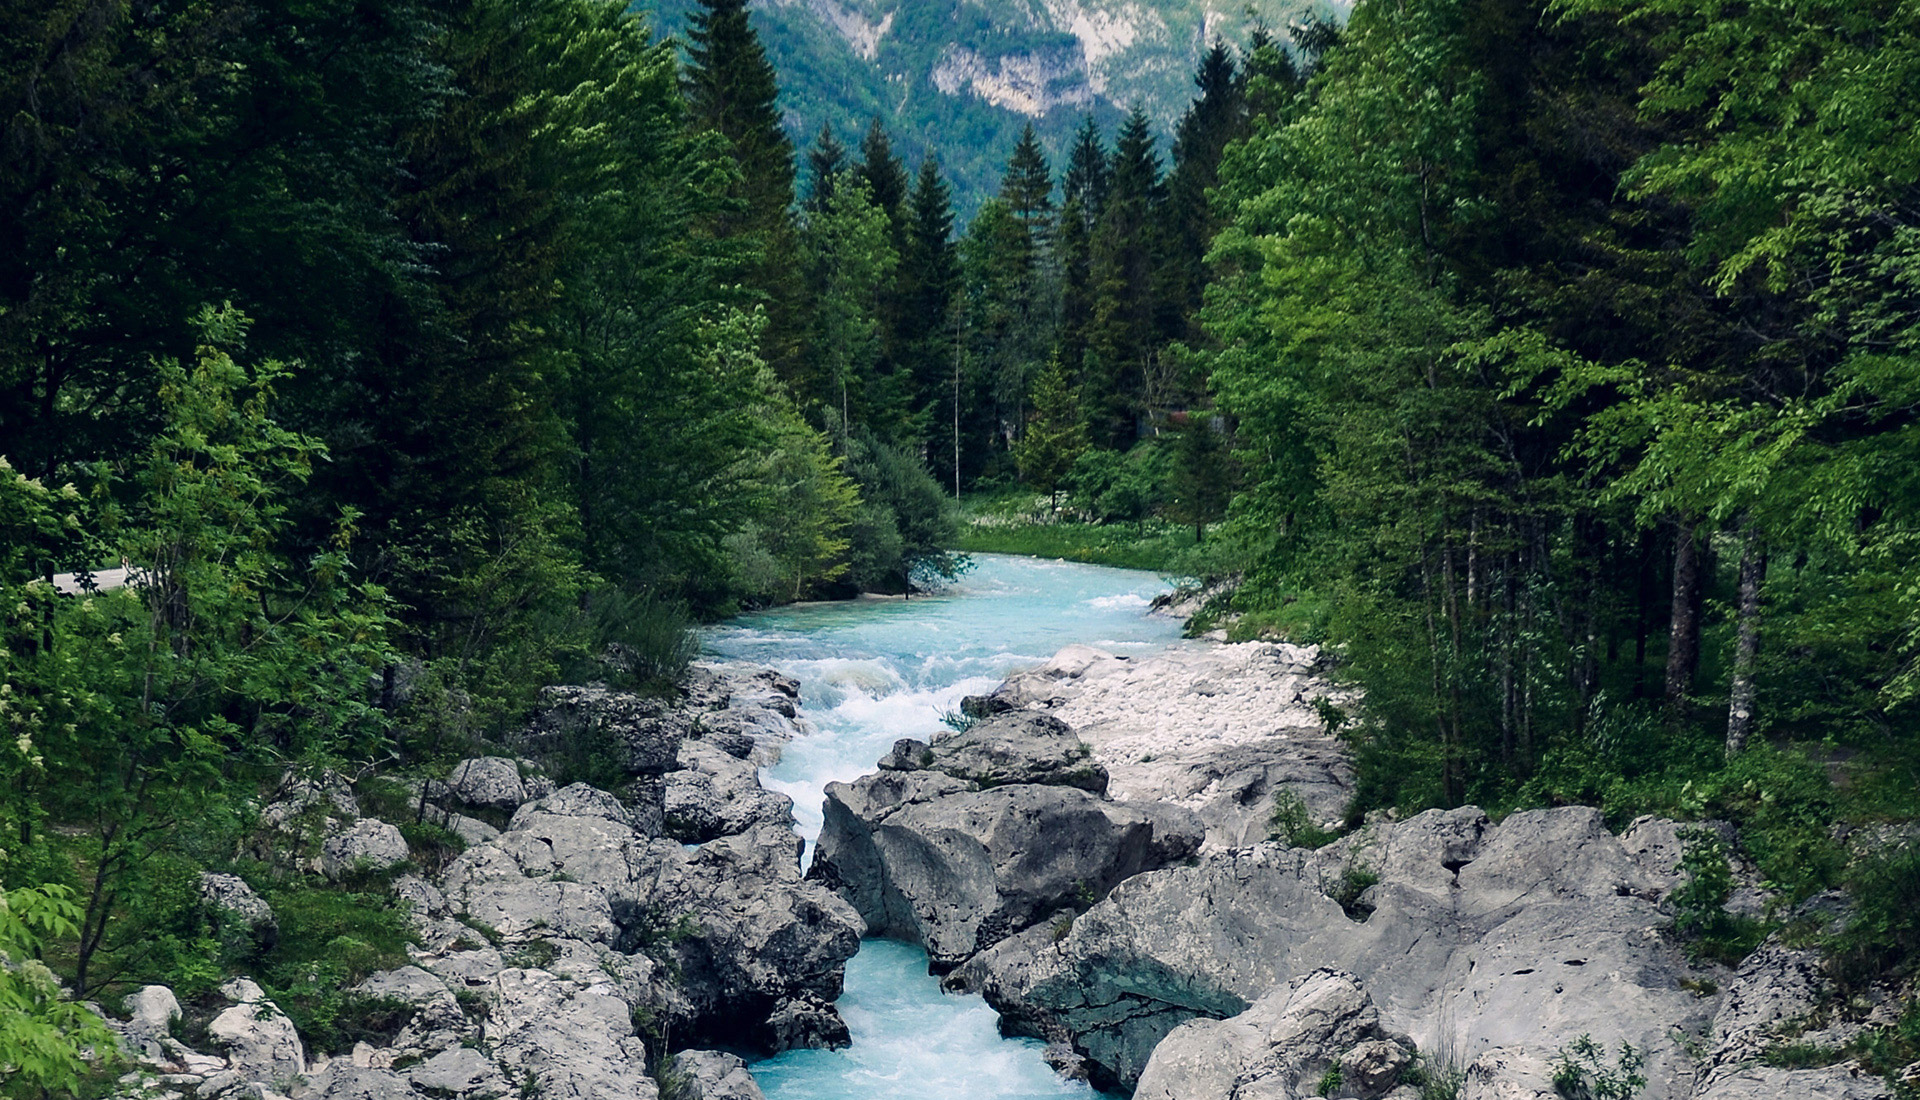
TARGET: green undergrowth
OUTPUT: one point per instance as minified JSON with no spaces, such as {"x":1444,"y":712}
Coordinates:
{"x":1018,"y":522}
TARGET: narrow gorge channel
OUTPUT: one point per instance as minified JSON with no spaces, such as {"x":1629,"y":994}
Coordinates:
{"x":873,"y":671}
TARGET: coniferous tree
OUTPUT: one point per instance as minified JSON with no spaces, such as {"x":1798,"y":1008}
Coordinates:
{"x":1123,"y":370}
{"x":1027,"y":189}
{"x":886,"y":176}
{"x":886,"y":181}
{"x":826,"y":164}
{"x":1216,"y":117}
{"x":1089,"y":173}
{"x":929,"y":340}
{"x":731,"y":90}
{"x":1084,"y":191}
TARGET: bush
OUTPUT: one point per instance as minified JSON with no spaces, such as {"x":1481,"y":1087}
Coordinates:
{"x":1292,"y":823}
{"x":1583,"y":1072}
{"x":1700,"y":913}
{"x":330,"y":940}
{"x":1882,"y":940}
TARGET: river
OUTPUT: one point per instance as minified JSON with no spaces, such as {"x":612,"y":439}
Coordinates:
{"x":873,"y":671}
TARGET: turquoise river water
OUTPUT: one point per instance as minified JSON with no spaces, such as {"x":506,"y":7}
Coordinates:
{"x":873,"y":671}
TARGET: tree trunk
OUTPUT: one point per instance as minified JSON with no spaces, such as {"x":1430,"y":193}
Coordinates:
{"x":1753,"y":573}
{"x":1683,"y":631}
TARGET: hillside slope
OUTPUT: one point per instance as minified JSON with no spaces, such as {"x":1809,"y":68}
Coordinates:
{"x":959,"y":78}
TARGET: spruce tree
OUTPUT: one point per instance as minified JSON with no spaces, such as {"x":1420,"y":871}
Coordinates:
{"x":886,"y":176}
{"x":826,"y":162}
{"x":929,"y":280}
{"x":731,"y":90}
{"x":1089,"y":173}
{"x":1216,"y":117}
{"x":1084,"y":195}
{"x":1122,"y":343}
{"x":1027,"y":189}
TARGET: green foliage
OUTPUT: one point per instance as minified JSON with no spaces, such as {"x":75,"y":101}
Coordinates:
{"x":1353,"y":880}
{"x":1330,"y":1082}
{"x":47,"y":1041}
{"x":331,"y":938}
{"x":1699,"y":904}
{"x":1055,"y":438}
{"x":1881,"y":939}
{"x":1584,"y":1073}
{"x":1292,"y":823}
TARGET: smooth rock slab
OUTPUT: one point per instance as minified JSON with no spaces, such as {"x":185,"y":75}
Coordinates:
{"x":1517,"y":938}
{"x":1281,"y":1048}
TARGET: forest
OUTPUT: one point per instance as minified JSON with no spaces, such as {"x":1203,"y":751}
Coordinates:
{"x":1556,"y":363}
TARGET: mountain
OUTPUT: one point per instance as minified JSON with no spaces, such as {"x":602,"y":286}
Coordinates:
{"x":958,"y":79}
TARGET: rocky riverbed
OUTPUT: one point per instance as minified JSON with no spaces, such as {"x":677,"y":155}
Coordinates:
{"x":1090,"y":853}
{"x":1092,"y":856}
{"x":562,"y":951}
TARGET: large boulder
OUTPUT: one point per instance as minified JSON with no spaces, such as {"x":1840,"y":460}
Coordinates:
{"x":1019,"y":748}
{"x":244,"y":919}
{"x":713,"y":1075}
{"x":716,"y":793}
{"x":570,"y":1039}
{"x":488,"y":782}
{"x":1504,"y":941}
{"x":925,"y":857}
{"x":260,"y":1042}
{"x":1291,"y":1044}
{"x":761,"y":953}
{"x":152,"y":1010}
{"x":368,"y":845}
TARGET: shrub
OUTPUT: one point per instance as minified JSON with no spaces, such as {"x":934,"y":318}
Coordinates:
{"x":1882,"y":940}
{"x":1700,"y":913}
{"x":1292,"y":824}
{"x":1583,"y":1073}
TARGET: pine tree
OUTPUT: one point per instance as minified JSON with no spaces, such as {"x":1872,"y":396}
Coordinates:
{"x":1123,"y":349}
{"x":1027,"y":189}
{"x":1217,"y":116}
{"x":731,"y":90}
{"x":826,"y":163}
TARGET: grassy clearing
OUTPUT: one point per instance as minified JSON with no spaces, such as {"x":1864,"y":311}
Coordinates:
{"x":1020,"y":522}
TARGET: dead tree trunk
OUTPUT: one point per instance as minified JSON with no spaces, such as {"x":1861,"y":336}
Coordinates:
{"x":1753,"y":574}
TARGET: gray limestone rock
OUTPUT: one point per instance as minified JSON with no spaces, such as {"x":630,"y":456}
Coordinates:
{"x":713,"y":1075}
{"x":1517,"y":938}
{"x":716,"y":794}
{"x":956,"y":870}
{"x":747,"y":936}
{"x":245,"y":919}
{"x":341,"y":1079}
{"x":368,"y":845}
{"x":153,"y":1009}
{"x":489,"y":782}
{"x":565,"y":1039}
{"x":1281,"y":1048}
{"x":460,"y":1072}
{"x":259,"y":1041}
{"x":1019,"y":748}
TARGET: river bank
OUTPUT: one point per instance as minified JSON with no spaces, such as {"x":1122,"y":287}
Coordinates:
{"x":1089,"y":850}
